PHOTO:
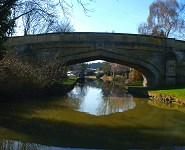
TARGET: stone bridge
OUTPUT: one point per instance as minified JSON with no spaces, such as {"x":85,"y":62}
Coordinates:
{"x":160,"y":60}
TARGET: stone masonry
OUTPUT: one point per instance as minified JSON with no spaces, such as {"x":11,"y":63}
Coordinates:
{"x":161,"y":60}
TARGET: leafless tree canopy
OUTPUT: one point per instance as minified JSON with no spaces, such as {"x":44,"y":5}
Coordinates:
{"x":166,"y":19}
{"x":41,"y":16}
{"x":62,"y":26}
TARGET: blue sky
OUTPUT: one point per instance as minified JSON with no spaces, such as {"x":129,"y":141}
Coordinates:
{"x":120,"y":16}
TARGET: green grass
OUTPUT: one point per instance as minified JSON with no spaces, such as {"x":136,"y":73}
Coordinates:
{"x":135,"y":83}
{"x":69,"y":80}
{"x":177,"y":91}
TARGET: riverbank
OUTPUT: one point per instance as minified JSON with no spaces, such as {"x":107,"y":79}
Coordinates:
{"x":123,"y":79}
{"x":174,"y":95}
{"x":169,"y":95}
{"x":56,"y":89}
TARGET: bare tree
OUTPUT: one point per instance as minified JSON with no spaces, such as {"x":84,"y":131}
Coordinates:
{"x":117,"y":69}
{"x":38,"y":15}
{"x":106,"y":68}
{"x":166,"y":19}
{"x":62,"y":26}
{"x":41,"y":16}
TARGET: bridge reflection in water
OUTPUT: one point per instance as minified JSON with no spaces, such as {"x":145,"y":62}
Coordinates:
{"x":98,"y":98}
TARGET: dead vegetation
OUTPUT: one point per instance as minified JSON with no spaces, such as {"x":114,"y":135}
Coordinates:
{"x":17,"y":76}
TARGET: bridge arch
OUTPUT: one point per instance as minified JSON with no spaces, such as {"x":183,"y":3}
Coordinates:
{"x":149,"y":71}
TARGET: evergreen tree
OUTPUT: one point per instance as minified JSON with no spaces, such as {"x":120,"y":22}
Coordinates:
{"x":6,"y":23}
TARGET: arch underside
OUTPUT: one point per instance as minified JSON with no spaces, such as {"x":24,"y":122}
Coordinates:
{"x":146,"y":68}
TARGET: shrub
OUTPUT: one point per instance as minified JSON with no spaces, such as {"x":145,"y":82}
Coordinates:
{"x":99,"y":75}
{"x":18,"y":76}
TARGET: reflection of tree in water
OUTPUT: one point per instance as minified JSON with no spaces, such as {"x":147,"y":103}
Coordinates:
{"x":76,"y":96}
{"x":17,"y":145}
{"x":115,"y":99}
{"x":94,"y":83}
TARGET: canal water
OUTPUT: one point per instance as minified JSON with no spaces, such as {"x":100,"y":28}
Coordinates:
{"x":99,"y":98}
{"x":94,"y":115}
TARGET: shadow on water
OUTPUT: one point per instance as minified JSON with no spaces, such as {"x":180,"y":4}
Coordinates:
{"x":51,"y":122}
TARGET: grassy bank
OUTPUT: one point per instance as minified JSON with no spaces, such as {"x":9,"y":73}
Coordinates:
{"x":173,"y":92}
{"x":135,"y":83}
{"x":59,"y":88}
{"x":69,"y":80}
{"x":176,"y":91}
